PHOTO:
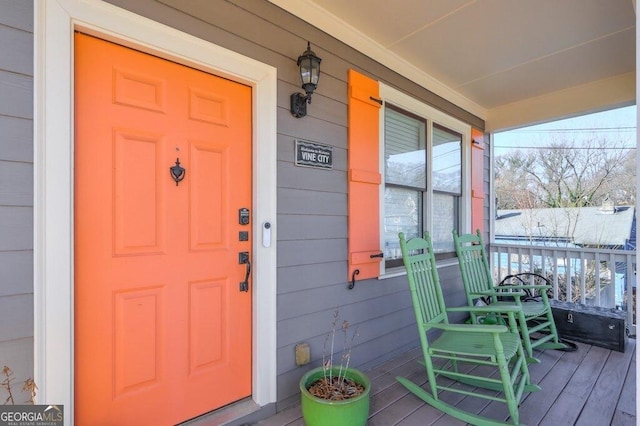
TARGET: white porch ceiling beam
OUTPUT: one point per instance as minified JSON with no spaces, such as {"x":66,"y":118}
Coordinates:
{"x":592,"y":97}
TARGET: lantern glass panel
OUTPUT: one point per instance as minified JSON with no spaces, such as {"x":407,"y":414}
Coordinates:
{"x":306,"y":71}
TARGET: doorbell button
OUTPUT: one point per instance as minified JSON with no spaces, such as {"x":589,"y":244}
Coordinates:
{"x":266,"y":234}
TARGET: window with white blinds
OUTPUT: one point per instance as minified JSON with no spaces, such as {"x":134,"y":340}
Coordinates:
{"x":421,"y":179}
{"x":405,"y":149}
{"x":447,"y":187}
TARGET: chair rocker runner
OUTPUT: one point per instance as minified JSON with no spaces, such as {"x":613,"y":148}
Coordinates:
{"x":479,"y":356}
{"x":533,"y":316}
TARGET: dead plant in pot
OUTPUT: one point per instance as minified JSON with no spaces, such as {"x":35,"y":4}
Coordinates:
{"x":335,"y":394}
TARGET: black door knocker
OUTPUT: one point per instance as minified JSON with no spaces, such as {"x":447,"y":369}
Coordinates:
{"x":177,"y":172}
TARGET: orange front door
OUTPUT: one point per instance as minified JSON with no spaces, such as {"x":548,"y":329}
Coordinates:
{"x":162,"y":330}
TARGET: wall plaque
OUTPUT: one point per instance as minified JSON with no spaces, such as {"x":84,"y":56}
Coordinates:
{"x":311,"y":154}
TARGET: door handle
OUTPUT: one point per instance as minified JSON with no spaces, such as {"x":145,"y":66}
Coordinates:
{"x":243,"y":258}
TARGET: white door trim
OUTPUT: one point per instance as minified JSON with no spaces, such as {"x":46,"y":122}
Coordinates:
{"x":55,"y":22}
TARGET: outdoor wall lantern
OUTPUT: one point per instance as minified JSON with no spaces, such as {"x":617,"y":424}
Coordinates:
{"x":309,"y":65}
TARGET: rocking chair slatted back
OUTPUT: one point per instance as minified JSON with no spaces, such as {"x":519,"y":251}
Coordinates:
{"x":474,"y":265}
{"x":424,"y":283}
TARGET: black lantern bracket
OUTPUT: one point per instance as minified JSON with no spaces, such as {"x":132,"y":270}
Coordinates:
{"x":309,"y":68}
{"x":299,"y":104}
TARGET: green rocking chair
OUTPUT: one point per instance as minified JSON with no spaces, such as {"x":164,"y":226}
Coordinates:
{"x":480,"y":356}
{"x":533,"y":316}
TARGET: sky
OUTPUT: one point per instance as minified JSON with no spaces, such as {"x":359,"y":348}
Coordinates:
{"x":616,"y":125}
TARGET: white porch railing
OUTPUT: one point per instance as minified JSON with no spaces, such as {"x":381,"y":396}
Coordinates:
{"x":598,"y":277}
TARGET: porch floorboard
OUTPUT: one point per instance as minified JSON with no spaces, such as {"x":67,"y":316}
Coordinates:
{"x":591,"y":386}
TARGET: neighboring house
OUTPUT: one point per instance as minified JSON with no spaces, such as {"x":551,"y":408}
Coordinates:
{"x":135,"y":297}
{"x":606,"y":227}
{"x":596,"y":227}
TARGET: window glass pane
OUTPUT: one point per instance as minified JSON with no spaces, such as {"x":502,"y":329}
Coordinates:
{"x":404,"y":149}
{"x":445,"y":219}
{"x":447,"y":160}
{"x":402,"y":213}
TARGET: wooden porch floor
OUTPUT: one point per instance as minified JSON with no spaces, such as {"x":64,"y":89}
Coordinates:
{"x":591,"y":386}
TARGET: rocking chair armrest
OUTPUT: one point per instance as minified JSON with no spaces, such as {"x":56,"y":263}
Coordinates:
{"x":491,"y":309}
{"x":473,"y":328}
{"x":497,"y":292}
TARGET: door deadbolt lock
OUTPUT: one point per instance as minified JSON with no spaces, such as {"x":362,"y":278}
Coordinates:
{"x":243,"y":216}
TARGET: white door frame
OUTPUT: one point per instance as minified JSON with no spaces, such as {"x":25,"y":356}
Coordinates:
{"x":55,"y":23}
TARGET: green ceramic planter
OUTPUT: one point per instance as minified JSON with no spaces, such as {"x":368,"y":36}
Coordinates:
{"x":320,"y":412}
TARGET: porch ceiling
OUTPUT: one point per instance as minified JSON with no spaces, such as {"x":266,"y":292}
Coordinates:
{"x":510,"y":62}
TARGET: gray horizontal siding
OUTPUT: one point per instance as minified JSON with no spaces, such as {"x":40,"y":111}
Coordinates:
{"x":311,"y":179}
{"x":16,"y":95}
{"x":312,"y":204}
{"x":305,"y":252}
{"x":17,"y":317}
{"x":16,"y":143}
{"x":16,"y":228}
{"x":16,"y":190}
{"x":314,"y":324}
{"x":16,"y":183}
{"x":311,"y":227}
{"x":17,"y":14}
{"x":300,"y":201}
{"x":17,"y":272}
{"x":303,"y":277}
{"x":312,"y":129}
{"x":15,"y":43}
{"x":380,"y":298}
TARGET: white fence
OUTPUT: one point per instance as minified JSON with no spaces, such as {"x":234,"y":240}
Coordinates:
{"x":596,"y":277}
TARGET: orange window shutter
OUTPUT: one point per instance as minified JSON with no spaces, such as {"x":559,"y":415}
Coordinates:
{"x":477,"y":180}
{"x":363,"y":177}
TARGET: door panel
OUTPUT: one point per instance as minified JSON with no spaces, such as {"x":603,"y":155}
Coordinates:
{"x":162,"y":332}
{"x":137,"y":331}
{"x":207,"y":346}
{"x":208,"y":204}
{"x":139,"y":216}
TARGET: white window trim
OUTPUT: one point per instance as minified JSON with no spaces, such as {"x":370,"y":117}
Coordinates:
{"x":432,"y":115}
{"x":55,"y":22}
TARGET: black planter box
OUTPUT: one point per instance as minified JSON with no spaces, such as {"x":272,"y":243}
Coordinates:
{"x":590,"y":324}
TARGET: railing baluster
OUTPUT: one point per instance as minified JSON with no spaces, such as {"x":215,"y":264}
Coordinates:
{"x":629,"y":294}
{"x":567,"y":276}
{"x":510,"y":260}
{"x":520,"y":258}
{"x":552,"y":259}
{"x":583,"y":281}
{"x":598,"y":301}
{"x":556,"y":278}
{"x":611,"y":290}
